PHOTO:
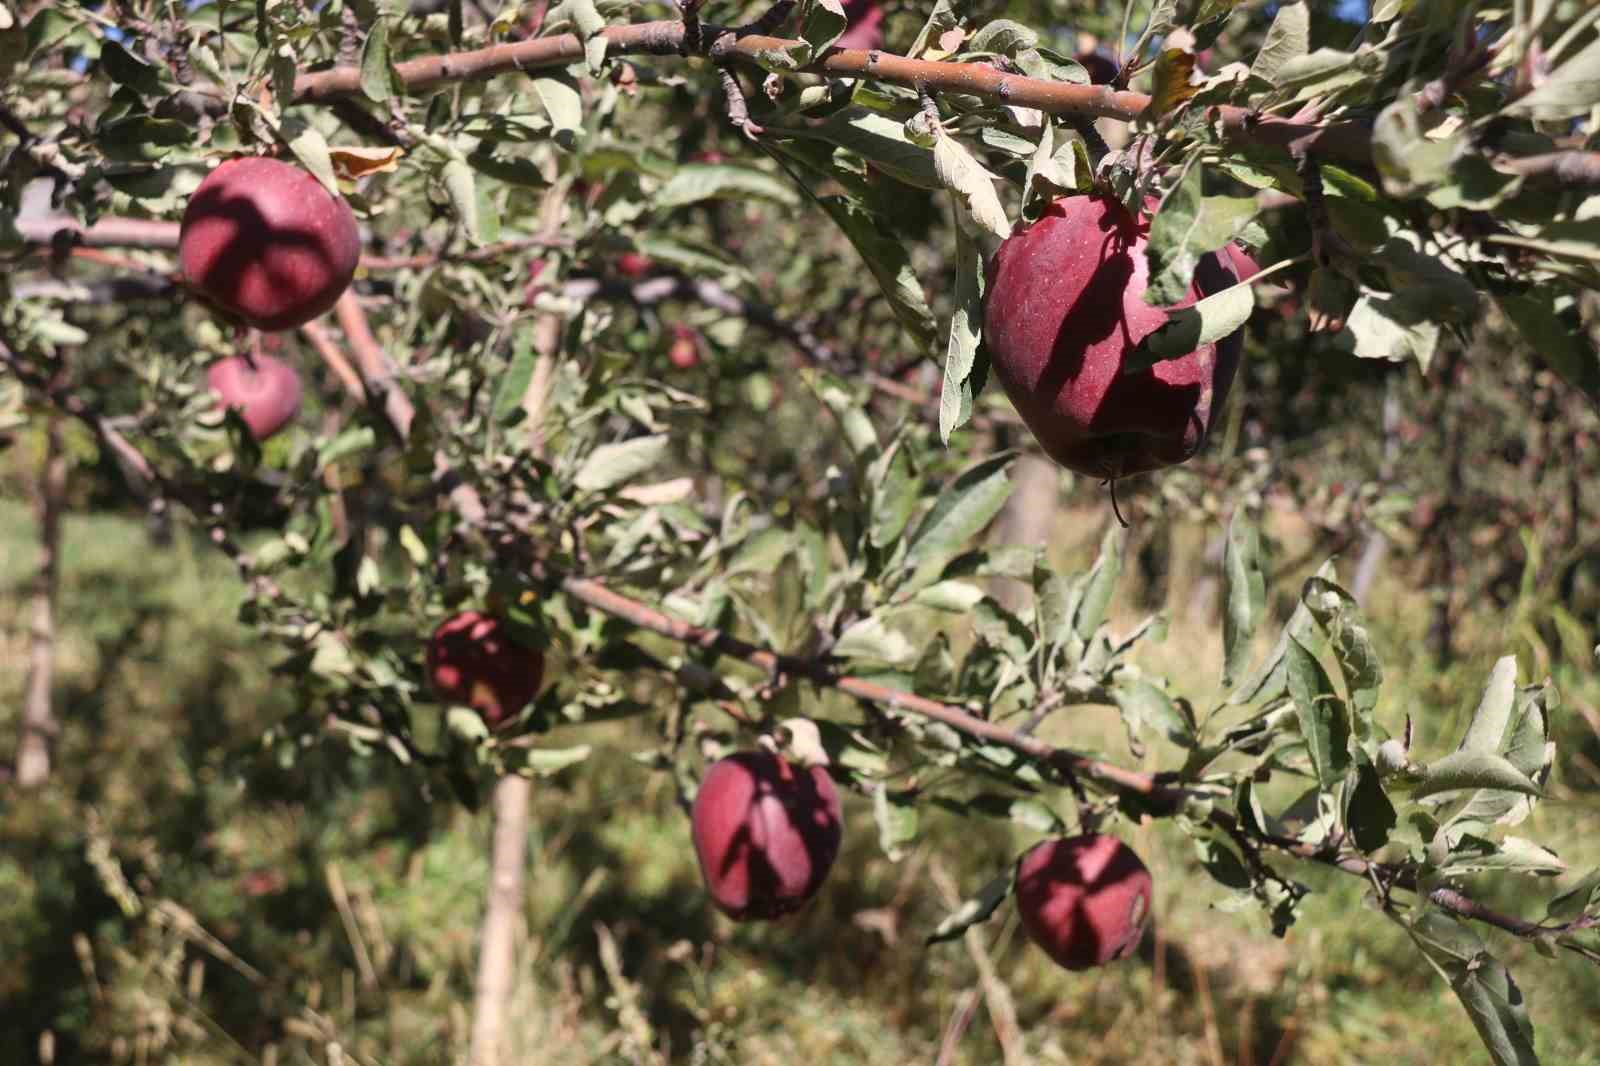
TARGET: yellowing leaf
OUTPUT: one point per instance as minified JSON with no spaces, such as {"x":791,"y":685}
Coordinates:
{"x":352,"y":162}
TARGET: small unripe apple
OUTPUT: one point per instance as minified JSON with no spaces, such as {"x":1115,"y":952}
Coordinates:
{"x":266,"y":242}
{"x":1084,"y":900}
{"x":863,"y":25}
{"x":266,"y":394}
{"x":473,"y":661}
{"x":684,"y":352}
{"x":1063,"y":311}
{"x":634,"y":264}
{"x":766,"y":832}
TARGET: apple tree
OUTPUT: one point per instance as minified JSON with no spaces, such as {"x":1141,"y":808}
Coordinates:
{"x":576,"y":362}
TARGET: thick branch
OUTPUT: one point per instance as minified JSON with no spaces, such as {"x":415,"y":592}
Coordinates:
{"x":377,"y":369}
{"x":1346,"y":140}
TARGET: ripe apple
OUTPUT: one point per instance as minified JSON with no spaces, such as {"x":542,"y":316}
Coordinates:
{"x":1064,"y":308}
{"x":863,"y":26}
{"x":473,"y":661}
{"x":266,"y":394}
{"x":1083,"y":900}
{"x":264,"y":241}
{"x":766,"y":833}
{"x":634,"y":264}
{"x":685,"y":350}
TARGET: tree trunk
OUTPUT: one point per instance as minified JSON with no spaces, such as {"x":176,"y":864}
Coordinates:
{"x":38,"y":716}
{"x":501,"y":921}
{"x":1025,"y":519}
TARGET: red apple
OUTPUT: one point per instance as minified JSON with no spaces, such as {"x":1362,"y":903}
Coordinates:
{"x":685,"y":350}
{"x":473,"y":661}
{"x":766,"y":833}
{"x":267,"y":394}
{"x":1064,"y":308}
{"x":264,"y":241}
{"x":1083,"y":900}
{"x":864,"y":25}
{"x":634,"y":264}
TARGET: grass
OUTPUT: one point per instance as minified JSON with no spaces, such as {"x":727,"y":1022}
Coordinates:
{"x":300,"y":879}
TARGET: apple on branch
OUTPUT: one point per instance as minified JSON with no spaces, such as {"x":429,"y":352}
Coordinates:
{"x":766,"y":832}
{"x":265,"y":241}
{"x":265,"y":391}
{"x":1063,"y":311}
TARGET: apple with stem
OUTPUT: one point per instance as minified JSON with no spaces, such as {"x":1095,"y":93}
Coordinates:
{"x":265,"y":241}
{"x":1063,"y":311}
{"x":1084,"y":900}
{"x":766,"y":832}
{"x":265,"y":390}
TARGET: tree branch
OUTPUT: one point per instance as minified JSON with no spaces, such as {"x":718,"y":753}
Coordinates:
{"x":1350,"y":141}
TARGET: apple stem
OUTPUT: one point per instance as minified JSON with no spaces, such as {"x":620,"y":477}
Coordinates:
{"x":252,"y":351}
{"x":1111,"y":482}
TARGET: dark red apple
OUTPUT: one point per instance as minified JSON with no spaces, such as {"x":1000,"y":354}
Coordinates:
{"x":264,"y":241}
{"x":1063,"y":310}
{"x":684,"y":352}
{"x":473,"y":661}
{"x":863,"y":26}
{"x":1083,"y":900}
{"x":766,"y":833}
{"x":267,"y":394}
{"x":634,"y":264}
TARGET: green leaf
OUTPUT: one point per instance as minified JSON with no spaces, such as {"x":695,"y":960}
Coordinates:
{"x":1144,"y":705}
{"x":871,"y":638}
{"x":1246,"y":596}
{"x":1409,"y":162}
{"x":963,"y":374}
{"x":894,"y":494}
{"x":822,"y":23}
{"x":1100,"y":583}
{"x":125,"y":68}
{"x":974,"y":910}
{"x":1367,"y":811}
{"x":962,"y":510}
{"x":1023,"y":810}
{"x":377,"y":70}
{"x":350,"y":442}
{"x":697,"y":182}
{"x":544,"y":762}
{"x":1324,"y":719}
{"x":880,"y":140}
{"x":1188,"y":226}
{"x":460,"y":184}
{"x":1340,"y":617}
{"x":514,"y":382}
{"x":1202,"y":322}
{"x":1582,"y":897}
{"x":1472,"y":769}
{"x":889,"y":260}
{"x":611,"y":465}
{"x":1484,"y":986}
{"x":564,"y":104}
{"x":1511,"y":855}
{"x":1487,"y":730}
{"x":1386,"y":327}
{"x":973,"y":186}
{"x":1268,"y":681}
{"x":1002,"y":37}
{"x":1570,"y":90}
{"x":586,"y":17}
{"x":1562,"y":344}
{"x":896,"y":815}
{"x":311,"y":150}
{"x":1057,"y":165}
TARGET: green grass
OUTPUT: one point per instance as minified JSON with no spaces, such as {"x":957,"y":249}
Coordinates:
{"x":162,"y":695}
